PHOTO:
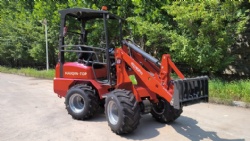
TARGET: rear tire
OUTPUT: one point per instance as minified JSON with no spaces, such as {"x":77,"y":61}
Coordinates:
{"x":122,"y":111}
{"x":164,"y":112}
{"x":81,"y":102}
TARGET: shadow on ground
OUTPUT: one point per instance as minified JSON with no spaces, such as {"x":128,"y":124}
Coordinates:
{"x":99,"y":117}
{"x":184,"y":126}
{"x":147,"y":128}
{"x":188,"y":127}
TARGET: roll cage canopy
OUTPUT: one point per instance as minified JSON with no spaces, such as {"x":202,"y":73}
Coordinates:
{"x":83,"y":15}
{"x":87,"y":14}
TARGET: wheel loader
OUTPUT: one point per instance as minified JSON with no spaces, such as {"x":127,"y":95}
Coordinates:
{"x":98,"y":67}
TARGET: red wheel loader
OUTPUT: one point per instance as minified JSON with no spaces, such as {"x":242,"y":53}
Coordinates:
{"x":97,"y":67}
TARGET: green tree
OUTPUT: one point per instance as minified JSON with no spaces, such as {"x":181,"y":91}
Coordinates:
{"x":204,"y":31}
{"x":15,"y":34}
{"x":197,"y":33}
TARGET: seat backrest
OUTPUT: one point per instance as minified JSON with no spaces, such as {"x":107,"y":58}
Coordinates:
{"x":85,"y":56}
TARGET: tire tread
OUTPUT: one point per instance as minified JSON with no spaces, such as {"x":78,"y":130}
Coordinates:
{"x":131,"y":111}
{"x":92,"y":100}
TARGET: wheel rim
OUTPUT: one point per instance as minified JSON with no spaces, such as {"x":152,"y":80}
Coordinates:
{"x":113,"y":113}
{"x":76,"y":103}
{"x":159,"y":108}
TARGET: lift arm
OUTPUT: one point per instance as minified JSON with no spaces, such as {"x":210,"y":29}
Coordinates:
{"x":176,"y":92}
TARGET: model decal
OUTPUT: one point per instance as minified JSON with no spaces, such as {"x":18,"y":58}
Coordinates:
{"x":75,"y":73}
{"x":136,"y":68}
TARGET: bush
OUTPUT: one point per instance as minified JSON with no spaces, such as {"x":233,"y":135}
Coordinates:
{"x":203,"y":32}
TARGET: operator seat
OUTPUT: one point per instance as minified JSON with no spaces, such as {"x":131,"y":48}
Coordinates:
{"x":86,"y":58}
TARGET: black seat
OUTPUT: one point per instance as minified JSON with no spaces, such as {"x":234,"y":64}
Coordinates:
{"x":87,"y":58}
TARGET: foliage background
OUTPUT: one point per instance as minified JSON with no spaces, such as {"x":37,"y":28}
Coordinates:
{"x":197,"y":34}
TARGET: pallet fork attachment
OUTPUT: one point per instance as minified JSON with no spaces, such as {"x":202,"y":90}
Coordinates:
{"x":189,"y":91}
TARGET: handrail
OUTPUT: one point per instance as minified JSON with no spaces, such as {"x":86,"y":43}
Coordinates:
{"x":98,"y":48}
{"x":83,"y":51}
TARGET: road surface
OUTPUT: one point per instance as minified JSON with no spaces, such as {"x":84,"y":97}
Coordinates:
{"x":29,"y":110}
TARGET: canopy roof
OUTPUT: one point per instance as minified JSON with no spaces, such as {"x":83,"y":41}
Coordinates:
{"x":85,"y":13}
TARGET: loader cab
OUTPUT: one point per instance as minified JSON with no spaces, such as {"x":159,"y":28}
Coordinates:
{"x":89,"y":37}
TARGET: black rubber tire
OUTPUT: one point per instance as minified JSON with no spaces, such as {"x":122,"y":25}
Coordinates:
{"x":90,"y":100}
{"x":164,"y":112}
{"x":128,"y":111}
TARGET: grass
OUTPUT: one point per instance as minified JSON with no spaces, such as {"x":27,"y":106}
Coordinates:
{"x":229,"y":91}
{"x":29,"y":72}
{"x":219,"y":91}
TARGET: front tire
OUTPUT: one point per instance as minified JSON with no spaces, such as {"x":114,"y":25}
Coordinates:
{"x":81,"y":102}
{"x":122,"y":111}
{"x":164,"y":112}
